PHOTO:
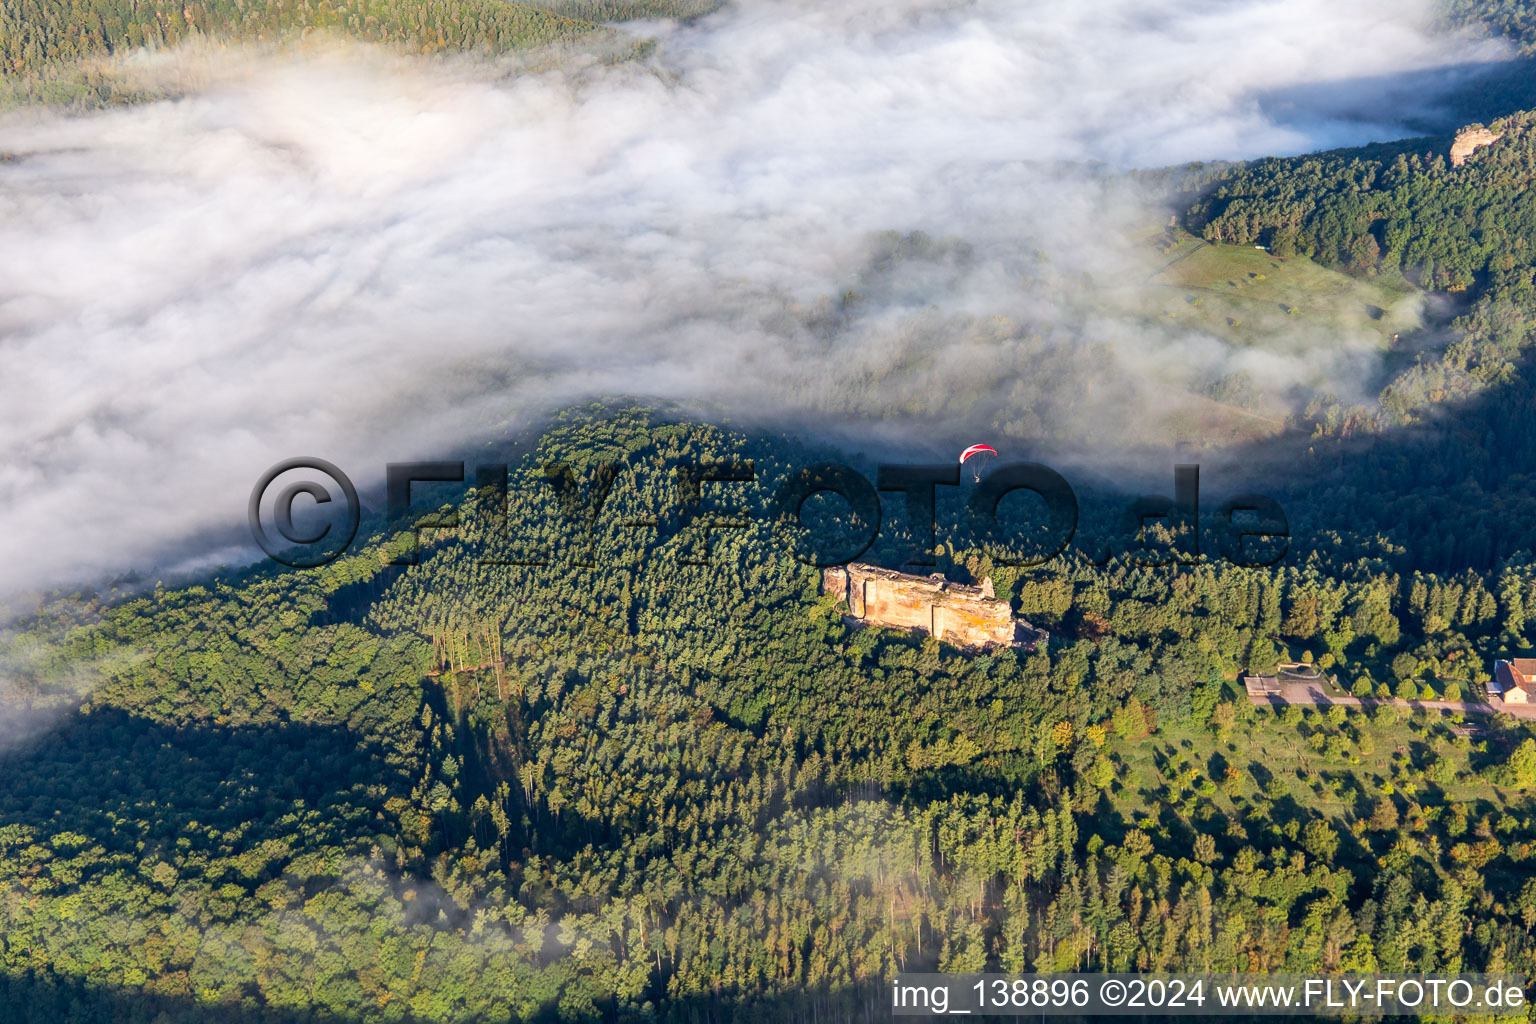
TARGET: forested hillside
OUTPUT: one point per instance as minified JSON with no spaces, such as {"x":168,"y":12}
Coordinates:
{"x":1437,"y":464}
{"x":1513,"y":19}
{"x":47,"y":47}
{"x":647,"y":772}
{"x":1396,"y":207}
{"x":35,"y":32}
{"x":647,"y":789}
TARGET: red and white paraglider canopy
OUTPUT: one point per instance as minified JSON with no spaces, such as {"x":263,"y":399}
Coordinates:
{"x":976,"y":449}
{"x":978,"y":455}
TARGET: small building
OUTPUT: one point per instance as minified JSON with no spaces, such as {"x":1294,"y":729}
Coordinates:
{"x":1514,"y":681}
{"x":1262,"y":686}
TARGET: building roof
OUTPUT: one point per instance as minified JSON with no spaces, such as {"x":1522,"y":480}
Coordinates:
{"x":1261,"y":684}
{"x":1516,"y":674}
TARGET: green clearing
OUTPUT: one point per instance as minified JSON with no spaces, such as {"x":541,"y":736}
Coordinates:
{"x":1249,"y":297}
{"x":1291,"y":307}
{"x":1294,"y":756}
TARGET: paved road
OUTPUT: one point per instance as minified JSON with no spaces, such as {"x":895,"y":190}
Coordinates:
{"x":1312,"y":693}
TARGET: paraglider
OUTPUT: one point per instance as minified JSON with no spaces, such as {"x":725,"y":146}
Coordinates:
{"x":976,"y":457}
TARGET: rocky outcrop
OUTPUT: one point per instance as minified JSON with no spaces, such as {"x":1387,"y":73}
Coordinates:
{"x":1468,"y":141}
{"x":955,"y":613}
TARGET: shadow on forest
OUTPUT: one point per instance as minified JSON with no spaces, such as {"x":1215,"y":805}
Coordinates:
{"x":1431,"y":101}
{"x":121,"y":779}
{"x":1449,"y":490}
{"x":30,"y":999}
{"x":1002,"y":776}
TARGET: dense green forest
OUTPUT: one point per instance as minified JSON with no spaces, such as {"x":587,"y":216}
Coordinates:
{"x":1512,"y":19}
{"x":1432,"y":475}
{"x":50,"y":49}
{"x":35,"y":32}
{"x":647,"y":772}
{"x":644,"y":788}
{"x":32,"y":34}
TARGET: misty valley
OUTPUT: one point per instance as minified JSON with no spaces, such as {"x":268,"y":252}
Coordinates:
{"x":694,"y":660}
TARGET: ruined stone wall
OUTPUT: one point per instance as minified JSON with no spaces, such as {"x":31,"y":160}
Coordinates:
{"x":1469,"y":141}
{"x":968,"y":616}
{"x":977,"y":623}
{"x":834,"y":581}
{"x":905,"y":605}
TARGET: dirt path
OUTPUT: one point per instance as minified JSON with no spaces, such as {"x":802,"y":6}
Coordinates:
{"x":1201,"y":244}
{"x":1312,"y":693}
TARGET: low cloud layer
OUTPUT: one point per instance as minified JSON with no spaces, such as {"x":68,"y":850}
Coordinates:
{"x":862,"y":212}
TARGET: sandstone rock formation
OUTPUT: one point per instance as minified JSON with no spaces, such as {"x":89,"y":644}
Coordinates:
{"x":953,"y":612}
{"x":1468,"y":141}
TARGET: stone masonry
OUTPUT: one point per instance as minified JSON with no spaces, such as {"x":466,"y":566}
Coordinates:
{"x":955,"y":613}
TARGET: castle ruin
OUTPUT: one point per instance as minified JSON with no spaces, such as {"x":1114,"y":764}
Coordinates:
{"x":1469,"y":141}
{"x":953,"y":612}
